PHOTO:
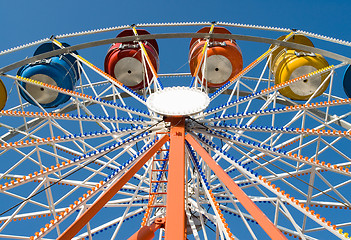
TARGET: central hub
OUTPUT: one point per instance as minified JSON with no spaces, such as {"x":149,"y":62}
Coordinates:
{"x":178,"y":101}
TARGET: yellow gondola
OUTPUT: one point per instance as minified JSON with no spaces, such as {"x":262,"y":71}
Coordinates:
{"x":292,"y":65}
{"x":297,"y":38}
{"x":288,"y":64}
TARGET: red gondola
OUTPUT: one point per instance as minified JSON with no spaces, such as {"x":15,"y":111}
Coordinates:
{"x":124,"y":61}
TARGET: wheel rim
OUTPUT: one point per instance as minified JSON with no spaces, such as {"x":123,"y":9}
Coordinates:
{"x":247,"y":127}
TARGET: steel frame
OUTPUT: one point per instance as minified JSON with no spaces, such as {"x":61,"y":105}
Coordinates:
{"x":81,"y":104}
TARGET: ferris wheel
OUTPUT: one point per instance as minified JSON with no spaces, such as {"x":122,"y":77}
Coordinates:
{"x":251,"y":143}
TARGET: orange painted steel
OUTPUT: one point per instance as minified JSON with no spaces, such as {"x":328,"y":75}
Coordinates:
{"x":148,"y":232}
{"x":227,"y":52}
{"x":78,"y":224}
{"x":272,"y":231}
{"x":175,"y":208}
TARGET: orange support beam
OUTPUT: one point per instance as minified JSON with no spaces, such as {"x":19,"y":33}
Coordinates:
{"x":272,"y":231}
{"x":175,"y":208}
{"x":78,"y":224}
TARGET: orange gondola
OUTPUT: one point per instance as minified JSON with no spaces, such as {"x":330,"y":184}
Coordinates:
{"x":3,"y":95}
{"x":223,"y":60}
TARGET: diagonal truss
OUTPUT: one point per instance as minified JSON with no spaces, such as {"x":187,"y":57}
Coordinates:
{"x":74,"y":228}
{"x":257,"y":214}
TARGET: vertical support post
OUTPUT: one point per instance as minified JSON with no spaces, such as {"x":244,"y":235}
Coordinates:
{"x":175,"y":208}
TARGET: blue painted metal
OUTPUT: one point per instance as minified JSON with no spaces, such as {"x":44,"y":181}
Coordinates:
{"x":63,"y":69}
{"x":347,"y":81}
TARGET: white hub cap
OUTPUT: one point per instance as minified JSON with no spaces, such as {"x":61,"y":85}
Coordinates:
{"x":305,"y":87}
{"x":129,"y":71}
{"x":40,"y":94}
{"x":178,"y":101}
{"x":218,"y":69}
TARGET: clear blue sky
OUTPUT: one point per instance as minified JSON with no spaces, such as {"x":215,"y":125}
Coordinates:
{"x":25,"y":21}
{"x":22,"y":21}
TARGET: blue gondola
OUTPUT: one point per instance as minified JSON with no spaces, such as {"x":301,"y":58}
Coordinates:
{"x":61,"y":71}
{"x":347,"y":81}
